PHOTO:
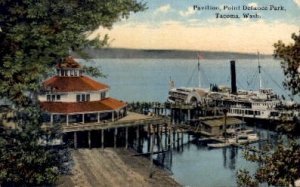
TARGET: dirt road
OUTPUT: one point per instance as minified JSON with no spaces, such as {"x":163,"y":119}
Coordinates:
{"x":113,"y":167}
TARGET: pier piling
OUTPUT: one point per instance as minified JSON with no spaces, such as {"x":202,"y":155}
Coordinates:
{"x":115,"y":137}
{"x":89,"y":139}
{"x":102,"y":138}
{"x":174,"y":134}
{"x":75,"y":140}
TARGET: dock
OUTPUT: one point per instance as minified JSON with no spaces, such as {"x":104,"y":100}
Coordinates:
{"x":131,"y":120}
{"x":129,"y":131}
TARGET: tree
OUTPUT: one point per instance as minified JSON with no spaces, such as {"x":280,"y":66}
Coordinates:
{"x":35,"y":35}
{"x":279,"y":166}
{"x":26,"y":157}
{"x":290,"y":55}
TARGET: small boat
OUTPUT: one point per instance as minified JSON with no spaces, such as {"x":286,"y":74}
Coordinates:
{"x":218,"y":145}
{"x":244,"y":137}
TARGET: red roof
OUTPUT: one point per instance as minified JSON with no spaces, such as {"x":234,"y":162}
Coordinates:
{"x":72,"y":84}
{"x":68,"y":62}
{"x":77,"y":107}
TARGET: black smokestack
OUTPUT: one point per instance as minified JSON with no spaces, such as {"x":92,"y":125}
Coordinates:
{"x":233,"y":77}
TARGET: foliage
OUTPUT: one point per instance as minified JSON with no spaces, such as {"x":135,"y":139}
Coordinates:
{"x":94,"y":72}
{"x":290,"y":55}
{"x":278,"y":168}
{"x":35,"y":35}
{"x":141,"y":107}
{"x":27,"y":157}
{"x":291,"y":128}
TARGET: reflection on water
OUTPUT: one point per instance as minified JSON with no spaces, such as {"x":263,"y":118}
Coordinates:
{"x":198,"y":165}
{"x":230,"y":152}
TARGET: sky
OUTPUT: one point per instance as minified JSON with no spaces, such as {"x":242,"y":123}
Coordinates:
{"x":176,"y":24}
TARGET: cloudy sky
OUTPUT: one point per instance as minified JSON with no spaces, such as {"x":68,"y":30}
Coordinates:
{"x":174,"y":24}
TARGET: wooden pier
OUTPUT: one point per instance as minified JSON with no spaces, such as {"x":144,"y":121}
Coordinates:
{"x":130,"y":131}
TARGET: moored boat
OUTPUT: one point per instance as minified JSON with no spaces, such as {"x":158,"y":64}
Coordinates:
{"x":263,"y":104}
{"x":219,"y":145}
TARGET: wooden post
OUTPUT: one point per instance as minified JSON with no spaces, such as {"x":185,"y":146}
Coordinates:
{"x":98,"y":117}
{"x":166,"y":136}
{"x":174,"y":134}
{"x":51,"y":119}
{"x":161,"y":131}
{"x":83,"y":118}
{"x":151,"y":159}
{"x":115,"y":137}
{"x":138,"y":137}
{"x":113,"y":116}
{"x":89,"y":139}
{"x":102,"y":138}
{"x":182,"y":139}
{"x":67,"y":119}
{"x":126,"y":137}
{"x":173,"y":116}
{"x":178,"y":138}
{"x":169,"y":139}
{"x":149,"y":137}
{"x":181,"y":116}
{"x":75,"y":140}
{"x":158,"y":139}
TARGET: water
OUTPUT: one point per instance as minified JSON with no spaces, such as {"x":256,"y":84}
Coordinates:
{"x":147,"y":80}
{"x":197,"y":165}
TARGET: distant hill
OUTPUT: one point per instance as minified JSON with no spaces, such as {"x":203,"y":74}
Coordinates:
{"x":167,"y":54}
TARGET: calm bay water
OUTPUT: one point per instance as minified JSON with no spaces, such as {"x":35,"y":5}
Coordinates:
{"x":147,"y":80}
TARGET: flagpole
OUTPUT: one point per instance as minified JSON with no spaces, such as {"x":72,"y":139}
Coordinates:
{"x":259,"y":71}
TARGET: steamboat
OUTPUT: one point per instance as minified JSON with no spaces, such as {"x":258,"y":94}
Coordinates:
{"x":262,"y":104}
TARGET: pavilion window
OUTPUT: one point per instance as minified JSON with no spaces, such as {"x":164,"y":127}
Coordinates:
{"x":75,"y":73}
{"x":48,"y":97}
{"x":103,"y":95}
{"x":82,"y":97}
{"x":71,"y":73}
{"x":53,"y":98}
{"x":58,"y":97}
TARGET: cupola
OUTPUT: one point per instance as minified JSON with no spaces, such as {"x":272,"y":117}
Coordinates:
{"x":68,"y":67}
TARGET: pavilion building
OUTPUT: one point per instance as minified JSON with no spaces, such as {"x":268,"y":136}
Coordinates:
{"x":70,"y":97}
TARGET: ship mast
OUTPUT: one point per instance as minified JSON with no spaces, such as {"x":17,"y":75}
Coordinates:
{"x":199,"y":75}
{"x":259,"y":71}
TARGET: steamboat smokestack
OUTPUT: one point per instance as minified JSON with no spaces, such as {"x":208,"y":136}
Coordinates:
{"x":233,"y":77}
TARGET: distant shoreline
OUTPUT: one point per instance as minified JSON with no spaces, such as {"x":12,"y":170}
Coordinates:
{"x":115,"y":53}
